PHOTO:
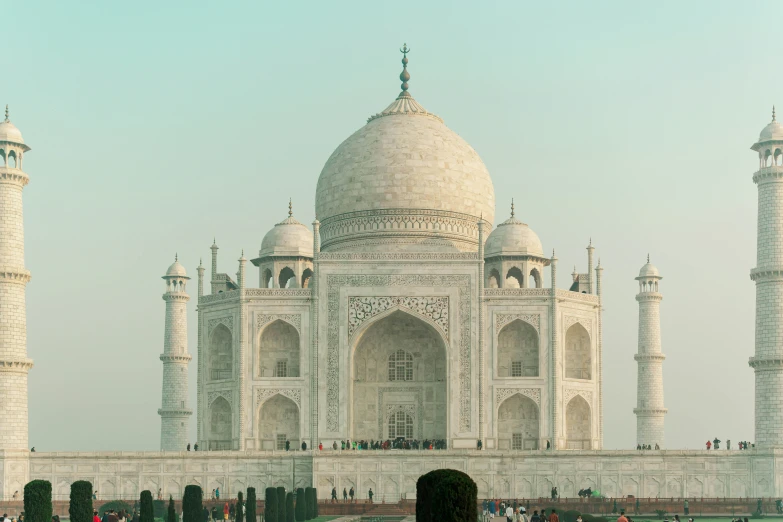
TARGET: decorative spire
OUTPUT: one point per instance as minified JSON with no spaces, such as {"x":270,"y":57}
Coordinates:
{"x":512,"y":207}
{"x":6,"y":113}
{"x":200,"y":262}
{"x":404,"y":75}
{"x":590,"y":244}
{"x":290,"y":208}
{"x":176,"y":257}
{"x":648,"y":257}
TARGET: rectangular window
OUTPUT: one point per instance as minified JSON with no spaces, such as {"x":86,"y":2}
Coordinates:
{"x":516,"y":369}
{"x":516,"y":441}
{"x":281,"y":369}
{"x":281,"y":438}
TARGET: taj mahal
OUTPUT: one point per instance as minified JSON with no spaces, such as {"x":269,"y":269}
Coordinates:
{"x":400,"y":313}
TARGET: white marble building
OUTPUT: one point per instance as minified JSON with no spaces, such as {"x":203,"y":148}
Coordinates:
{"x":401,"y":314}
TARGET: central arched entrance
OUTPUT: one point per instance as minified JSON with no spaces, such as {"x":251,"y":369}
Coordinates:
{"x":398,"y":387}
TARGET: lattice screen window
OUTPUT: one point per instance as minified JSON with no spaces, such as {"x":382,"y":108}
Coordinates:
{"x":516,"y":441}
{"x":281,"y":438}
{"x":281,"y":369}
{"x":401,"y":366}
{"x":516,"y":369}
{"x":400,"y":425}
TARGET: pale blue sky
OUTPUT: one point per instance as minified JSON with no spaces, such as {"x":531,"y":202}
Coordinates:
{"x":158,"y":125}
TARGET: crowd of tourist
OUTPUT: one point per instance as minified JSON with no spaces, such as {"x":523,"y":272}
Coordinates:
{"x":742,"y":445}
{"x":647,"y":446}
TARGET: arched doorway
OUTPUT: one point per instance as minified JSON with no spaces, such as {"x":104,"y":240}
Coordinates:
{"x":220,"y":425}
{"x":578,"y":357}
{"x":399,"y":380}
{"x":221,"y":356}
{"x":578,"y":424}
{"x":518,"y":424}
{"x":278,"y":422}
{"x":517,"y":350}
{"x":278,"y":354}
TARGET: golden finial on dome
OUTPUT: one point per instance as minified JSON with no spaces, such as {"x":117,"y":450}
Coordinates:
{"x":404,"y":75}
{"x":290,"y":208}
{"x":512,"y":207}
{"x":6,"y":113}
{"x":648,"y":258}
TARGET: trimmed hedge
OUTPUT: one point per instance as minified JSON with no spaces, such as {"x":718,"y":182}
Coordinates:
{"x":116,"y":505}
{"x":192,"y":508}
{"x":446,"y":495}
{"x":240,"y":515}
{"x":171,"y":512}
{"x":270,"y":505}
{"x":315,"y":502}
{"x":250,"y":513}
{"x":146,"y":513}
{"x":80,"y":508}
{"x":309,"y":507}
{"x":281,"y":504}
{"x":570,"y":515}
{"x":301,"y":504}
{"x":289,"y":508}
{"x":38,"y":501}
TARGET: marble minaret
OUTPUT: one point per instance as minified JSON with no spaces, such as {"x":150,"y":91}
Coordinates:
{"x":14,"y":277}
{"x":174,"y":412}
{"x":767,"y":362}
{"x":649,"y":391}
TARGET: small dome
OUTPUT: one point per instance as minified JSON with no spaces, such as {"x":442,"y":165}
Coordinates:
{"x":773,"y":131}
{"x":288,"y":238}
{"x":9,"y":132}
{"x":649,"y":270}
{"x":176,"y":270}
{"x":513,"y":238}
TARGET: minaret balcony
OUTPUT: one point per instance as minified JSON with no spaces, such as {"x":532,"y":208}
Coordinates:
{"x":649,"y":357}
{"x":762,"y":363}
{"x":771,"y":172}
{"x":15,"y":365}
{"x":174,"y":357}
{"x":12,"y":175}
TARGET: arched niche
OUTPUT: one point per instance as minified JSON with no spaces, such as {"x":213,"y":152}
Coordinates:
{"x":278,"y":353}
{"x":287,"y":278}
{"x":389,"y":341}
{"x":518,"y":423}
{"x":278,"y":422}
{"x":578,"y":424}
{"x":493,"y":281}
{"x":578,"y":354}
{"x":514,"y":278}
{"x":266,"y":281}
{"x":306,"y":275}
{"x":220,"y":427}
{"x":518,"y":350}
{"x":535,"y":279}
{"x":221,"y":354}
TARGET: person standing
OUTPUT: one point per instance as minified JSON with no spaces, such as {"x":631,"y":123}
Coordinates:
{"x":709,"y":445}
{"x":686,"y":508}
{"x":95,"y":517}
{"x":554,"y":518}
{"x":622,"y":517}
{"x":225,"y":511}
{"x":369,"y":494}
{"x":716,"y":443}
{"x":509,"y":514}
{"x":345,"y":495}
{"x":334,"y":495}
{"x":217,"y":493}
{"x":188,"y":446}
{"x":535,"y":517}
{"x":351,"y":494}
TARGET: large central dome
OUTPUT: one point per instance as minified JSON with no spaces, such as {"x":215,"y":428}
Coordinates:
{"x":403,"y":181}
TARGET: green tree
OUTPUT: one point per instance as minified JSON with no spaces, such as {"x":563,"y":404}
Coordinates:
{"x":171,"y":514}
{"x":309,"y":509}
{"x":80,"y":508}
{"x":301,"y":504}
{"x":192,"y":509}
{"x":280,"y":504}
{"x":38,"y":501}
{"x":250,"y":513}
{"x":290,"y":516}
{"x":446,"y":495}
{"x":240,"y":515}
{"x":146,"y":513}
{"x":270,"y":505}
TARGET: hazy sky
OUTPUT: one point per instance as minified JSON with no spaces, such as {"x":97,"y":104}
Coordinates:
{"x":158,"y":125}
